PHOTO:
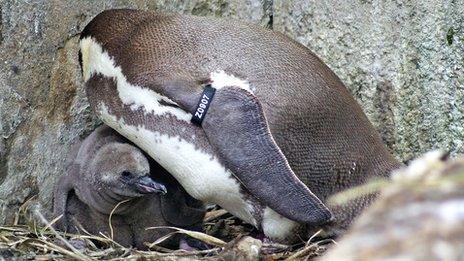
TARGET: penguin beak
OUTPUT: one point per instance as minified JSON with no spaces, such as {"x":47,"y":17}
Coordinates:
{"x":146,"y":185}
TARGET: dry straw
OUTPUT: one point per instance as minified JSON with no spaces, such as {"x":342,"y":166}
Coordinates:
{"x":31,"y":236}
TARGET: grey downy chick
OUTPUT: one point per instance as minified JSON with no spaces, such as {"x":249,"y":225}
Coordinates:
{"x":105,"y":170}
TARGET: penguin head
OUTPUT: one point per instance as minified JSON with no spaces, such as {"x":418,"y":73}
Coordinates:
{"x":124,"y":170}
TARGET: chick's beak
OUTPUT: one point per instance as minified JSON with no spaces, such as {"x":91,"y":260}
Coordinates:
{"x":146,"y":184}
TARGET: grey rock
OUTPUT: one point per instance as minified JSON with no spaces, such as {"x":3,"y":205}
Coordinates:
{"x":402,"y":60}
{"x":418,"y":216}
{"x":12,"y":110}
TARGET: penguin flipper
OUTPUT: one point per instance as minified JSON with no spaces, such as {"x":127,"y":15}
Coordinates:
{"x":237,"y":129}
{"x":64,"y":186}
{"x":60,"y":196}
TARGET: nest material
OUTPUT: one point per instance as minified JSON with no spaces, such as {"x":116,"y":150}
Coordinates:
{"x":32,"y":237}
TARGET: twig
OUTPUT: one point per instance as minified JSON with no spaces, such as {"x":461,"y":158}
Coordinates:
{"x":313,"y":236}
{"x":21,"y":209}
{"x":197,"y":235}
{"x":75,"y":252}
{"x":53,"y":222}
{"x":306,"y":250}
{"x":214,"y":214}
{"x":111,"y":240}
{"x":58,"y":249}
{"x":111,"y":215}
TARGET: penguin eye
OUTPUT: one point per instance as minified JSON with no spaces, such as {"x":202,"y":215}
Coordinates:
{"x":126,"y":174}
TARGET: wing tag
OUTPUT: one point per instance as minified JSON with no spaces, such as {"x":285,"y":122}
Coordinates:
{"x":203,"y":104}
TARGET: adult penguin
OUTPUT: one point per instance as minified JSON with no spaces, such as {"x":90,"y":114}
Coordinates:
{"x":267,"y":111}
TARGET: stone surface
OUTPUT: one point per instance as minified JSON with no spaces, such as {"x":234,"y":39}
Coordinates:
{"x":401,"y":60}
{"x":419,"y":216}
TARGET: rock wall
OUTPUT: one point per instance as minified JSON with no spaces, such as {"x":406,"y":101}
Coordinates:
{"x":401,"y":60}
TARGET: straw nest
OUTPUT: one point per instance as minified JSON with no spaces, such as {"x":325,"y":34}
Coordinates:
{"x":33,"y":237}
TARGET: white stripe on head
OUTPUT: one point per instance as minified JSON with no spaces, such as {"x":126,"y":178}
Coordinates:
{"x":97,"y":61}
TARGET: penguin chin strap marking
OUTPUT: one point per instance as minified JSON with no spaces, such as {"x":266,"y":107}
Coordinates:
{"x":203,"y":104}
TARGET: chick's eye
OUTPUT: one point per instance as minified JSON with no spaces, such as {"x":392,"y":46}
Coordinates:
{"x":126,"y":174}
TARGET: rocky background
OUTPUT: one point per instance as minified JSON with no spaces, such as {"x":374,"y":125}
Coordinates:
{"x":402,"y":60}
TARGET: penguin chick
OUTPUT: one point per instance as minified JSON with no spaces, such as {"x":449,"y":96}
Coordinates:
{"x":106,"y":170}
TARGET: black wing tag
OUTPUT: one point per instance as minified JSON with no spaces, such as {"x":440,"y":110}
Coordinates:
{"x":203,"y":104}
